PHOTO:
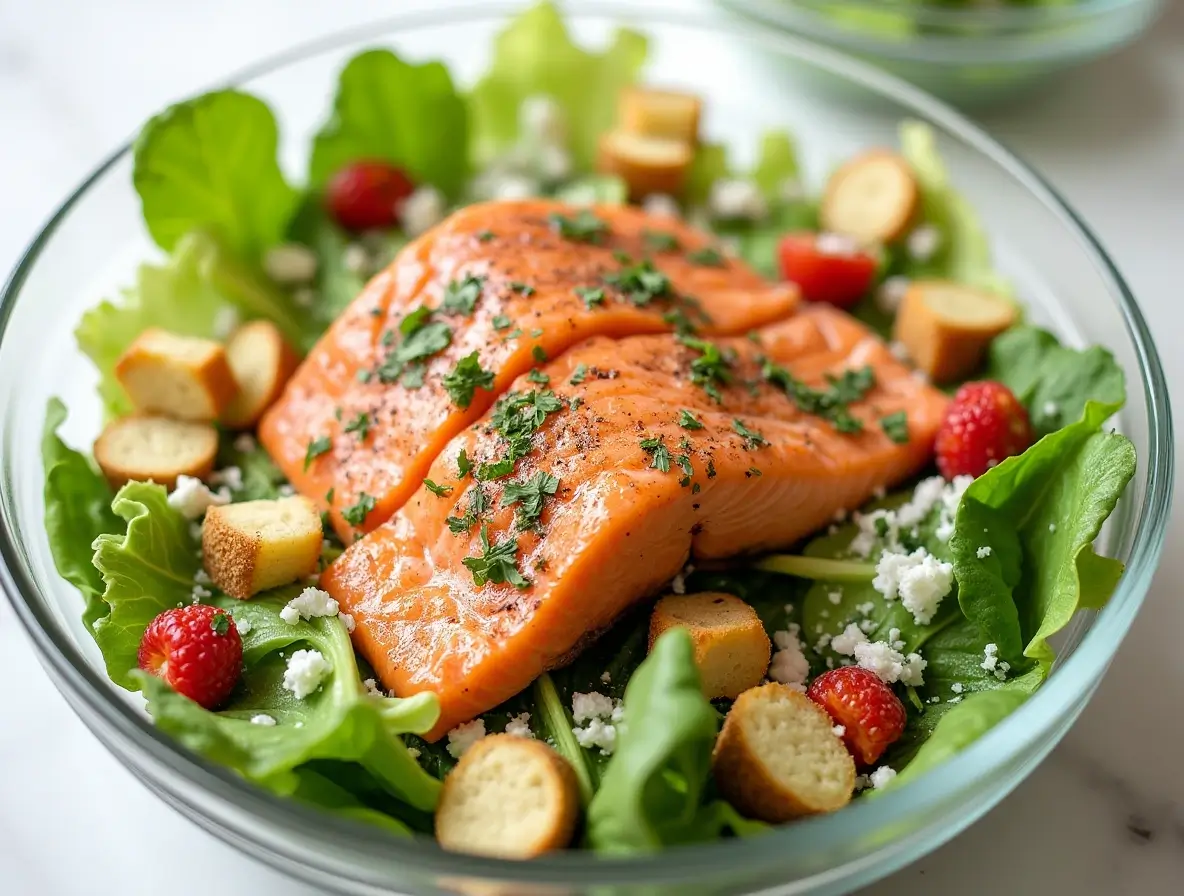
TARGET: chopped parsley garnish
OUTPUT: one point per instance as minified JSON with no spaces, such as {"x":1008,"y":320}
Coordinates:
{"x":660,"y":240}
{"x":465,"y":378}
{"x":460,"y":296}
{"x":516,"y":417}
{"x":421,"y":339}
{"x":458,"y":525}
{"x":752,"y":438}
{"x":684,"y":461}
{"x":537,"y":376}
{"x":360,"y":425}
{"x":514,"y":333}
{"x":579,"y":374}
{"x":497,"y":563}
{"x":852,"y":385}
{"x":680,"y":321}
{"x":440,"y":491}
{"x":896,"y":427}
{"x":688,"y":420}
{"x":695,"y":489}
{"x":640,"y":283}
{"x":412,"y":377}
{"x":753,"y":471}
{"x":829,"y":403}
{"x":591,"y":296}
{"x":220,"y":623}
{"x":330,"y":495}
{"x":485,"y":235}
{"x":575,"y":402}
{"x":711,"y":369}
{"x":622,"y":257}
{"x":414,"y":320}
{"x":582,"y":227}
{"x":363,"y":376}
{"x":538,"y":353}
{"x":356,"y":513}
{"x":530,"y":497}
{"x":707,"y":256}
{"x":536,"y":332}
{"x":495,"y":470}
{"x":524,"y":289}
{"x":463,"y":464}
{"x":711,"y":468}
{"x":316,"y":448}
{"x":660,"y":454}
{"x":501,"y":322}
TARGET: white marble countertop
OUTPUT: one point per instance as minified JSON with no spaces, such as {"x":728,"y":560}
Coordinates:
{"x":1105,"y":814}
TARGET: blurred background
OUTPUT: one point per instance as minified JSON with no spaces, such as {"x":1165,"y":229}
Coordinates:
{"x":1091,"y":93}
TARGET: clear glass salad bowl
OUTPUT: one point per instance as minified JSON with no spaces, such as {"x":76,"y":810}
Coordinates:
{"x":967,"y":53}
{"x":756,"y":80}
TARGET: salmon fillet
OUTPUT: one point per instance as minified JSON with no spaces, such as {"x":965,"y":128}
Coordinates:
{"x":357,"y":426}
{"x":642,"y":487}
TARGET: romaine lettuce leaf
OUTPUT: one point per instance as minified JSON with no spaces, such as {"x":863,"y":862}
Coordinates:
{"x":210,"y":164}
{"x":388,"y":109}
{"x":535,"y":56}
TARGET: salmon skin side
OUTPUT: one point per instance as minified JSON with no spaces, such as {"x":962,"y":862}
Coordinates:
{"x":518,"y":281}
{"x":641,"y":489}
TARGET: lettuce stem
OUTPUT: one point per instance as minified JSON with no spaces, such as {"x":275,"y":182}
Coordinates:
{"x":558,"y":725}
{"x":841,"y":571}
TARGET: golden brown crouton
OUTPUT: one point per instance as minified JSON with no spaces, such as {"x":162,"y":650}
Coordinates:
{"x":871,"y":198}
{"x":261,"y":361}
{"x":946,"y":327}
{"x":646,"y":164}
{"x":256,"y":545}
{"x":156,"y":449}
{"x":667,"y":114}
{"x":176,"y":376}
{"x":509,"y":797}
{"x":778,"y":757}
{"x":731,"y":648}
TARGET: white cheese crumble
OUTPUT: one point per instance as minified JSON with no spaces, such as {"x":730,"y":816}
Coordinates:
{"x":192,"y":498}
{"x":597,"y":734}
{"x":464,"y":736}
{"x":839,"y":730}
{"x":541,"y":120}
{"x":290,"y":264}
{"x":286,"y":490}
{"x":1051,"y":409}
{"x":789,"y":665}
{"x":263,"y":719}
{"x":357,"y":259}
{"x":881,"y":776}
{"x":991,"y":662}
{"x":835,"y":597}
{"x":601,"y":715}
{"x":1052,"y":527}
{"x":606,"y":677}
{"x":230,"y":477}
{"x":311,"y":602}
{"x":889,"y":296}
{"x":919,"y":579}
{"x":734,"y":198}
{"x":984,"y":552}
{"x":590,"y":706}
{"x":678,"y":584}
{"x":922,"y":244}
{"x":305,"y":672}
{"x":422,"y":210}
{"x":661,"y":205}
{"x":957,"y":687}
{"x":515,"y":186}
{"x":202,"y":577}
{"x":245,"y":443}
{"x":199,"y":593}
{"x":890,"y":664}
{"x":413,"y":752}
{"x":846,"y":641}
{"x":519,"y":726}
{"x":372,"y":688}
{"x":348,"y":621}
{"x":930,"y":494}
{"x":553,"y":163}
{"x":836,"y":244}
{"x":243,"y":625}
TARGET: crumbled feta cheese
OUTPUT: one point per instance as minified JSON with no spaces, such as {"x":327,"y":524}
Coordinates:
{"x":932,"y":493}
{"x":678,"y":584}
{"x":889,"y":664}
{"x":733,"y":198}
{"x":231,"y":477}
{"x":372,"y":688}
{"x":243,"y":625}
{"x":591,"y":706}
{"x":263,"y":719}
{"x":990,"y":657}
{"x":835,"y":597}
{"x":984,"y":552}
{"x":1052,"y":527}
{"x":789,"y":665}
{"x":899,"y":351}
{"x":889,"y":296}
{"x":919,"y":579}
{"x":413,"y":752}
{"x":464,"y":736}
{"x":954,"y":700}
{"x":867,"y":625}
{"x":515,"y":186}
{"x":934,"y":699}
{"x":846,"y":642}
{"x":519,"y":726}
{"x":290,"y":264}
{"x":597,"y":734}
{"x":357,"y":259}
{"x":348,"y":621}
{"x":305,"y":672}
{"x":422,"y":210}
{"x":541,"y":120}
{"x":245,"y":443}
{"x":836,"y":244}
{"x":201,"y":577}
{"x":606,"y":677}
{"x":200,"y":593}
{"x":304,"y":297}
{"x":192,"y":498}
{"x":822,"y":643}
{"x":661,"y":205}
{"x":866,"y":609}
{"x":894,"y":639}
{"x":922,"y":244}
{"x":311,"y":602}
{"x":839,"y":730}
{"x":286,"y":490}
{"x":1051,"y":409}
{"x":553,"y":163}
{"x":957,"y":687}
{"x":226,"y":321}
{"x":881,"y":776}
{"x":1001,"y":671}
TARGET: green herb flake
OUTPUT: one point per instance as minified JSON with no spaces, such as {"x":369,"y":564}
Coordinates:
{"x":220,"y":623}
{"x":538,"y":353}
{"x":660,"y":454}
{"x":537,"y":376}
{"x":695,"y":489}
{"x":501,"y":322}
{"x":829,"y":403}
{"x":579,"y":374}
{"x":711,"y":468}
{"x":463,"y":464}
{"x":687,"y":420}
{"x":364,"y":376}
{"x":575,"y":402}
{"x":661,"y":241}
{"x":582,"y":227}
{"x":440,"y":491}
{"x":317,"y":447}
{"x":752,"y":438}
{"x":684,"y":462}
{"x":640,"y":283}
{"x":485,"y":235}
{"x":515,"y":333}
{"x":524,"y":289}
{"x":591,"y":296}
{"x":330,"y":495}
{"x":896,"y":427}
{"x":360,"y":426}
{"x":356,"y":513}
{"x":497,"y":563}
{"x":465,"y":378}
{"x":460,"y":296}
{"x":530,"y":497}
{"x":680,"y":322}
{"x":412,"y":377}
{"x":752,"y":471}
{"x":707,"y":257}
{"x":711,"y":369}
{"x":458,"y":525}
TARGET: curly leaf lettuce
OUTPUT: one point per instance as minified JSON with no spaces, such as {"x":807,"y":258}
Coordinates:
{"x":390,"y":110}
{"x":535,"y":56}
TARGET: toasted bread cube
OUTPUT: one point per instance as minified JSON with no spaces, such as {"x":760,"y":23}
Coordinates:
{"x":261,"y":361}
{"x":778,"y":757}
{"x":509,"y":797}
{"x":872,"y":198}
{"x":177,"y":376}
{"x":668,"y":114}
{"x":947,"y":327}
{"x":731,"y":648}
{"x":156,"y":449}
{"x":256,"y":545}
{"x":646,"y":164}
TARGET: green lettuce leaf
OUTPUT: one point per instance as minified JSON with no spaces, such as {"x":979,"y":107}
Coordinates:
{"x":535,"y":56}
{"x":1054,"y":382}
{"x":77,"y":511}
{"x":388,"y":109}
{"x":777,"y":162}
{"x":594,"y":188}
{"x":210,"y":164}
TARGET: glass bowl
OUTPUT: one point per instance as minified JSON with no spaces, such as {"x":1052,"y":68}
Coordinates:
{"x":757,"y":79}
{"x":970,"y":55}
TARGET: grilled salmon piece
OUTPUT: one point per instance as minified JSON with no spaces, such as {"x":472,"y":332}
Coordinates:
{"x":641,"y":488}
{"x":362,"y":424}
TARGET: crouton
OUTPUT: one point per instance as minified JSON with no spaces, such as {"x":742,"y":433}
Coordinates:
{"x":667,"y":114}
{"x":156,"y":449}
{"x":256,"y":545}
{"x":646,"y":164}
{"x":261,"y":361}
{"x":872,"y":198}
{"x":731,"y":648}
{"x":778,"y":757}
{"x":177,"y":376}
{"x":508,"y":797}
{"x":946,"y":327}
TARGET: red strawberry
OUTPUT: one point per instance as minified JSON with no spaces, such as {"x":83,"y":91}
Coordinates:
{"x":826,"y":267}
{"x":197,"y":650}
{"x":985,"y":423}
{"x":858,"y":700}
{"x":367,"y":195}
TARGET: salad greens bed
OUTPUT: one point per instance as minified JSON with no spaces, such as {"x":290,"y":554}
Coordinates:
{"x":215,"y":200}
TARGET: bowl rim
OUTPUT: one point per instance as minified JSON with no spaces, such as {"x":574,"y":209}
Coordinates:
{"x":93,"y":696}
